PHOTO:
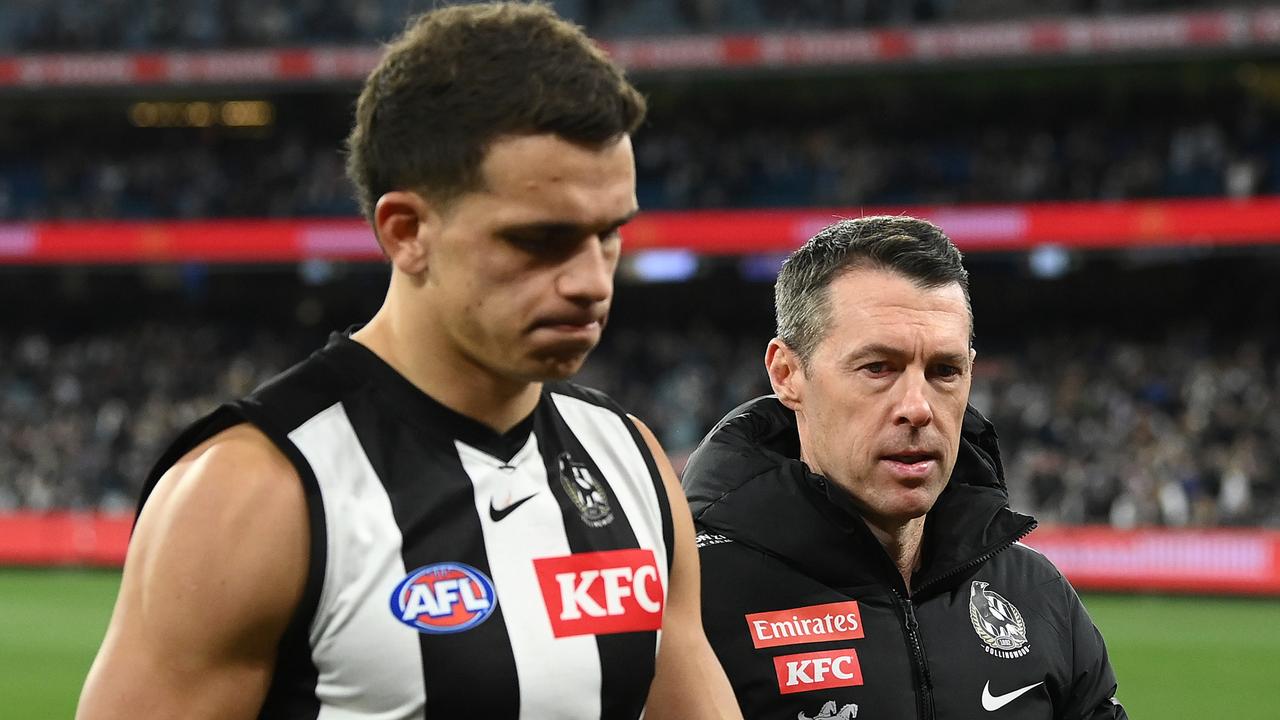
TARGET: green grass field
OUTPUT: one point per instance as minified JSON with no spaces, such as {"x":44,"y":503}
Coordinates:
{"x":1176,"y":657}
{"x":51,"y":622}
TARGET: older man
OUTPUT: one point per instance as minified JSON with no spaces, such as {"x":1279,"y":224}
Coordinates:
{"x":859,"y":557}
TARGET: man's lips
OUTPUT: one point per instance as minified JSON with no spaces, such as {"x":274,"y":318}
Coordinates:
{"x":573,"y":329}
{"x":569,"y":326}
{"x":570,"y":323}
{"x":911,"y":464}
{"x":910,"y":457}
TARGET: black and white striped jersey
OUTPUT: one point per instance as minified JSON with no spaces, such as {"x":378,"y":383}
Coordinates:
{"x":455,"y":571}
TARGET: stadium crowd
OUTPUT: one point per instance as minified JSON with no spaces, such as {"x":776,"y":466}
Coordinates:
{"x":176,"y":178}
{"x":688,"y":164}
{"x":1175,"y":432}
{"x":83,"y":419}
{"x":1134,"y":433}
{"x":63,"y":25}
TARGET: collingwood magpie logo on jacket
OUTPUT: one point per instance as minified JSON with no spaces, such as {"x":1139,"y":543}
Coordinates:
{"x":998,"y":622}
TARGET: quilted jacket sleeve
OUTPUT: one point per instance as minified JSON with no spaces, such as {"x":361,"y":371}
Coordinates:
{"x":1093,"y":690}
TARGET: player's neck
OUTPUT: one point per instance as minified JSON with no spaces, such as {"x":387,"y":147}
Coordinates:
{"x":902,"y":542}
{"x":449,"y":378}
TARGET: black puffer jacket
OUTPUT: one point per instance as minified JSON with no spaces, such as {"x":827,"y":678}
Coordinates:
{"x":811,"y":619}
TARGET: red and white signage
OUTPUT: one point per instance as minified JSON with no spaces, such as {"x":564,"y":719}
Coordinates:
{"x":1065,"y":37}
{"x":602,"y":592}
{"x":1236,"y":561}
{"x":64,"y":538}
{"x":817,"y":670}
{"x":810,"y":624}
{"x":974,"y":228}
{"x":1224,"y":561}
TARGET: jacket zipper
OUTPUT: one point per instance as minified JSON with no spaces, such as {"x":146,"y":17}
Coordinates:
{"x":919,"y":665}
{"x":981,"y":558}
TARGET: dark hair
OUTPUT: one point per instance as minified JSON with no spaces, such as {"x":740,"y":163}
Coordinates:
{"x":460,"y":77}
{"x":914,"y":248}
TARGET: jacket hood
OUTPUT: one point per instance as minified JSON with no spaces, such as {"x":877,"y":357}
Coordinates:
{"x":746,"y":481}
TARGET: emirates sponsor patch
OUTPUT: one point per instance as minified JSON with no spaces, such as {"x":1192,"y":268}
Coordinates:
{"x":809,"y":624}
{"x":817,"y":670}
{"x":600,"y":593}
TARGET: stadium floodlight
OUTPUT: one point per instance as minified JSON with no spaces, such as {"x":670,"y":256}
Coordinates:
{"x":666,"y":265}
{"x":1049,"y":262}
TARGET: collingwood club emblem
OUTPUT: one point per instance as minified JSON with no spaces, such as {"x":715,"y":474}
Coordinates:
{"x":997,"y":622}
{"x":585,"y":492}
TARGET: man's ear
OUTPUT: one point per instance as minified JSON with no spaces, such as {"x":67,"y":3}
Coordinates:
{"x":786,"y":374}
{"x":406,"y":224}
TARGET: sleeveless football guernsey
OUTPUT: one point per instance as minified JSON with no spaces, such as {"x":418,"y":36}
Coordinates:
{"x":454,"y":571}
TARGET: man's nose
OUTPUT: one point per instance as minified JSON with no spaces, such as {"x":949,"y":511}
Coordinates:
{"x":913,"y":405}
{"x":587,"y":277}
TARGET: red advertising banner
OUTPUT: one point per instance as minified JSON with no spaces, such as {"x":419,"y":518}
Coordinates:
{"x":1191,"y":561}
{"x":1212,"y":561}
{"x":1066,"y":37}
{"x":64,"y":538}
{"x":1096,"y":225}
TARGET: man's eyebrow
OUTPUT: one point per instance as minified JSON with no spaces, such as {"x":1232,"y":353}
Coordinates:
{"x":555,"y":228}
{"x":957,"y":359}
{"x":875,"y":349}
{"x":882,"y":350}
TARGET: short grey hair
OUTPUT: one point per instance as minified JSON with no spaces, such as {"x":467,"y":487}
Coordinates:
{"x":914,"y":248}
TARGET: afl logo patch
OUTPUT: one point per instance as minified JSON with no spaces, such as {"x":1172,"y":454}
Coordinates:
{"x":585,"y":492}
{"x":446,"y":597}
{"x":998,"y":622}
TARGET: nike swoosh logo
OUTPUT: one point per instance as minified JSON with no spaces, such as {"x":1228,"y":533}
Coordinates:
{"x":991,"y":703}
{"x":496,"y":515}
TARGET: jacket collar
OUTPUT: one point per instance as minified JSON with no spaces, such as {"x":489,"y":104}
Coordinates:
{"x":745,"y":481}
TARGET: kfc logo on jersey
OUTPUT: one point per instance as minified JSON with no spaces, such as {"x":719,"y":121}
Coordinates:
{"x":446,"y":597}
{"x":601,"y":593}
{"x":817,"y":670}
{"x":809,"y":624}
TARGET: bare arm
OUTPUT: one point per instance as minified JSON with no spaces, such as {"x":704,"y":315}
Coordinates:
{"x":689,"y":682}
{"x":215,"y":569}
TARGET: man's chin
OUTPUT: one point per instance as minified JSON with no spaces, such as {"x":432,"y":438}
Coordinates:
{"x":909,"y":504}
{"x":911,"y":508}
{"x":558,"y":366}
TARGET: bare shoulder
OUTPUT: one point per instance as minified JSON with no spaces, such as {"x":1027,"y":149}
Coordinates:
{"x":650,"y":439}
{"x":242,"y":451}
{"x":684,"y":581}
{"x":665,"y":469}
{"x":222,"y":540}
{"x":225,"y":530}
{"x":236,"y":484}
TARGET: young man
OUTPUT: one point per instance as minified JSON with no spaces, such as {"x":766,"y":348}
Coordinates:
{"x":422,"y":519}
{"x":859,"y":556}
